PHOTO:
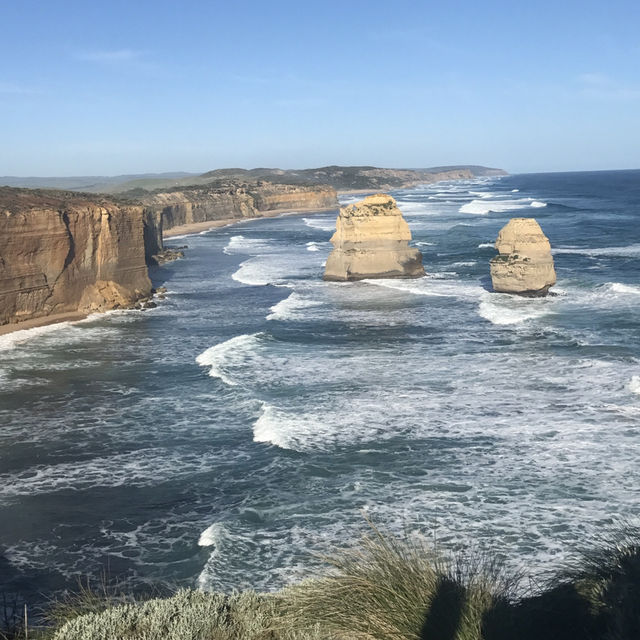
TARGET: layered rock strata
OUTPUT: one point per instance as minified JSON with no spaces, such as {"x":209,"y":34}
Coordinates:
{"x":524,"y":264}
{"x":372,"y":241}
{"x":66,"y":253}
{"x":164,"y":210}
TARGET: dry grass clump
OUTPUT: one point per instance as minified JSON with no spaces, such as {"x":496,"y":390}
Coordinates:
{"x":392,"y":589}
{"x":384,"y":589}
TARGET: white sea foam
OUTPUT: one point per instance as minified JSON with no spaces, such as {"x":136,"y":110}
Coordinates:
{"x":425,"y":244}
{"x":213,"y":536}
{"x":12,"y":340}
{"x":439,"y":285}
{"x":143,"y":467}
{"x":312,"y":246}
{"x":482,"y":207}
{"x":634,"y":385}
{"x":482,"y":194}
{"x":240,"y":244}
{"x":320,"y":223}
{"x":290,"y":308}
{"x":628,"y":289}
{"x":630,"y":251}
{"x":254,"y":272}
{"x":223,"y":357}
{"x":515,"y":190}
{"x":487,"y":245}
{"x":503,"y":309}
{"x":271,"y":428}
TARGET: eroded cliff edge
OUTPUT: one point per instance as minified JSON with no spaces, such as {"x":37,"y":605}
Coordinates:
{"x":73,"y":253}
{"x":223,"y":200}
{"x":63,"y":252}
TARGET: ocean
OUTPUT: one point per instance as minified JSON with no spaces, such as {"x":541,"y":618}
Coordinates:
{"x":259,"y":416}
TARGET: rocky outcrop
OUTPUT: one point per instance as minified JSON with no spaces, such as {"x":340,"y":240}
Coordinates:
{"x":524,"y":264}
{"x":68,"y":253}
{"x":372,"y":241}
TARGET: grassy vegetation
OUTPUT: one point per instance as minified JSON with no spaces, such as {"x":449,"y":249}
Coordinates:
{"x":383,"y":589}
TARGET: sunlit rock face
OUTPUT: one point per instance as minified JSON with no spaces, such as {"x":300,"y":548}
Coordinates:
{"x":372,"y":241}
{"x":524,"y":264}
{"x":66,"y":252}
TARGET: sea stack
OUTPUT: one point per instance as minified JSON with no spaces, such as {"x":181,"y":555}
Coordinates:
{"x":372,"y":241}
{"x":524,"y":264}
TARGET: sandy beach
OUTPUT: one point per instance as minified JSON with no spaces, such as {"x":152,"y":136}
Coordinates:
{"x":182,"y":230}
{"x":199,"y":227}
{"x":41,"y":322}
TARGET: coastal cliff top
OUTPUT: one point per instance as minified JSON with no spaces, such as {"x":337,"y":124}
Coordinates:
{"x":379,"y":204}
{"x":14,"y":200}
{"x":344,"y":178}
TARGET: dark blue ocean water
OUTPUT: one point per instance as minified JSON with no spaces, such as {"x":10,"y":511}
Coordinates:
{"x":249,"y":421}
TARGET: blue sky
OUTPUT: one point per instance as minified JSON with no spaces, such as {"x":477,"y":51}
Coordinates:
{"x":138,"y":86}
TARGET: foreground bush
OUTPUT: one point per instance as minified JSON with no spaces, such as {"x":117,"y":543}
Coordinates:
{"x":388,"y":589}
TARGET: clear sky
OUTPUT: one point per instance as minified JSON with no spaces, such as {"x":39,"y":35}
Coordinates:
{"x":110,"y":87}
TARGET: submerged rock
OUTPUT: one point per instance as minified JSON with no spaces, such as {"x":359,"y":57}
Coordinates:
{"x":524,"y":265}
{"x":372,"y":241}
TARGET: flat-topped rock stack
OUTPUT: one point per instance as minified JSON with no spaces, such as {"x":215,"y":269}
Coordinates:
{"x":524,"y":264}
{"x":372,"y":241}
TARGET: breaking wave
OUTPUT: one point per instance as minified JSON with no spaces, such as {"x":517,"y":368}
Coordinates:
{"x":224,"y":357}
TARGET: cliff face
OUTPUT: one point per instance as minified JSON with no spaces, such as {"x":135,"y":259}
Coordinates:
{"x":164,"y":210}
{"x":64,"y":253}
{"x":524,"y":264}
{"x":372,"y":241}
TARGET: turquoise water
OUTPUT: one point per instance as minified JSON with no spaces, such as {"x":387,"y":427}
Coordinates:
{"x":252,"y":418}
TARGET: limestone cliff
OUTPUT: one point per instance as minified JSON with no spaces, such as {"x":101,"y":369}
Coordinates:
{"x":524,"y":264}
{"x":66,"y":252}
{"x":372,"y":241}
{"x":225,"y":200}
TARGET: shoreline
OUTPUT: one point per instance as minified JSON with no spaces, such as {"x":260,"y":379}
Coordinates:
{"x":44,"y":321}
{"x":179,"y":231}
{"x":199,"y":227}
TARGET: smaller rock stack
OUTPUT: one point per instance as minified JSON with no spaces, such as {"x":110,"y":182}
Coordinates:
{"x":524,"y":264}
{"x":372,"y":241}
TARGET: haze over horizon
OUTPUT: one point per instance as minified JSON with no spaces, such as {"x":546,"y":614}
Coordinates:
{"x":157,"y":87}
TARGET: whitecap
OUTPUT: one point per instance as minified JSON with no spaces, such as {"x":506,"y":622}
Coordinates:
{"x":536,"y":204}
{"x":288,"y":308}
{"x":319,"y":223}
{"x":632,"y":251}
{"x":482,"y":207}
{"x":312,"y":246}
{"x":439,"y":285}
{"x":13,"y":339}
{"x":487,"y":245}
{"x":634,"y":385}
{"x":618,"y":287}
{"x":252,"y":272}
{"x":228,"y":354}
{"x":240,"y":244}
{"x":515,"y":190}
{"x":271,"y":428}
{"x":505,"y":309}
{"x":213,"y":535}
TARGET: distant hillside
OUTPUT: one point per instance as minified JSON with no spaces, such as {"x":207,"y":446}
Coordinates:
{"x":92,"y":184}
{"x":358,"y":177}
{"x":338,"y":177}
